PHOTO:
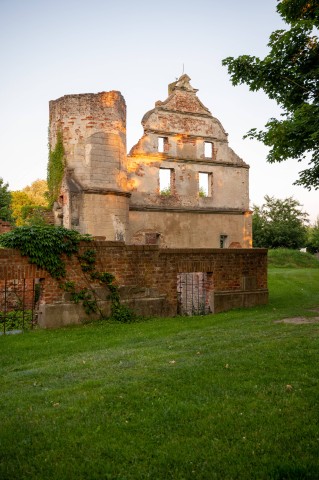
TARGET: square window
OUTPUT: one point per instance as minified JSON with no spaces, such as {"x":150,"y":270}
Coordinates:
{"x":222,"y":241}
{"x":208,"y":149}
{"x":162,"y":144}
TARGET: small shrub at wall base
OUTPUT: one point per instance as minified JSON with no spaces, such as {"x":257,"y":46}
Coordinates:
{"x":15,"y":320}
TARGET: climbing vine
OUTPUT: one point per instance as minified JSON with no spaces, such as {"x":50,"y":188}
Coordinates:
{"x":55,"y":169}
{"x":45,"y":247}
{"x":119,"y":311}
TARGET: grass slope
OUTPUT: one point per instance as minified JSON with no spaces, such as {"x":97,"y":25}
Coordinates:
{"x":227,"y":396}
{"x":284,"y":257}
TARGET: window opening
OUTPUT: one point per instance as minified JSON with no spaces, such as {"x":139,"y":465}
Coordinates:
{"x":162,"y":143}
{"x":204,"y":186}
{"x":208,"y":149}
{"x":165,"y":181}
{"x":222,"y":241}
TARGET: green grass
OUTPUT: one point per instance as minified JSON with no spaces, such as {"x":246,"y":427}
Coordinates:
{"x":227,"y":396}
{"x":284,"y":257}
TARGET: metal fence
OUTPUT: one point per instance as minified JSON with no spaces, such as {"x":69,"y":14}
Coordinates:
{"x":19,"y":300}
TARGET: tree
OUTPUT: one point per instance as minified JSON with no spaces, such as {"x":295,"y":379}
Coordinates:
{"x":279,"y":223}
{"x":5,"y":202}
{"x":313,"y":238}
{"x":289,"y":74}
{"x":28,"y":203}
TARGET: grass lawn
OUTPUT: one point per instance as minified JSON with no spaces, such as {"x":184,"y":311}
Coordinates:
{"x":227,"y":396}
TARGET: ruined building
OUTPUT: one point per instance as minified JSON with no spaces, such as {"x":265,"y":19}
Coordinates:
{"x":171,"y":220}
{"x":181,"y":185}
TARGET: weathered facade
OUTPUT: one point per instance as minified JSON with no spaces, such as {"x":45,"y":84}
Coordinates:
{"x":181,"y":186}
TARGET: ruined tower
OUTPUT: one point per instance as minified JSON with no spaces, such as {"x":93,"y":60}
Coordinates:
{"x":94,"y":197}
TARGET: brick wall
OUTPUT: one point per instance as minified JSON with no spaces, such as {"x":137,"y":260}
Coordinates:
{"x":5,"y":226}
{"x":239,"y":276}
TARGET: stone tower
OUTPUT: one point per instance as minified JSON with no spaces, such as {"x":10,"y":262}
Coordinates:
{"x":94,"y":197}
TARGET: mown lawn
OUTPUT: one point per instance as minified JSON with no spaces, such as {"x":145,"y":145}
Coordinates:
{"x":227,"y":396}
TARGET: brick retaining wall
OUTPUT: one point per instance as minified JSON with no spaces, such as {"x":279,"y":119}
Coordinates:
{"x":148,"y":277}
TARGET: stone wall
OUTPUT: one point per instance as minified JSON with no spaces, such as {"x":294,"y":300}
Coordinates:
{"x":94,"y":197}
{"x":147,"y":276}
{"x":183,"y":138}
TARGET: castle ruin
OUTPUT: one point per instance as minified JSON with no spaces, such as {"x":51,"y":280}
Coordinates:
{"x":181,"y":185}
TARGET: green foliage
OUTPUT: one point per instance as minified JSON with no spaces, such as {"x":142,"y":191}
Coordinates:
{"x":313,"y":238}
{"x":166,"y":192}
{"x":29,"y":204}
{"x":289,"y":74}
{"x":84,"y":295}
{"x":279,"y":223}
{"x":202,"y":192}
{"x":55,"y":170}
{"x":87,"y":297}
{"x":33,"y":215}
{"x":119,"y":312}
{"x":5,"y":202}
{"x":15,"y":320}
{"x":286,"y":258}
{"x":44,"y":245}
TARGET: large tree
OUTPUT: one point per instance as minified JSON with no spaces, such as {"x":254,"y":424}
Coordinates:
{"x":279,"y":223}
{"x":29,"y":201}
{"x":313,"y":238}
{"x":289,"y":74}
{"x":5,"y":202}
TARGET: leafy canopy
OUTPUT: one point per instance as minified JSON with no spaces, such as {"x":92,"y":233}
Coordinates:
{"x":313,"y":238}
{"x":279,"y":223}
{"x":289,"y":74}
{"x":5,"y":202}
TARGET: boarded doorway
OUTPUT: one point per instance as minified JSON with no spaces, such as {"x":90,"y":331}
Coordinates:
{"x":194,"y":293}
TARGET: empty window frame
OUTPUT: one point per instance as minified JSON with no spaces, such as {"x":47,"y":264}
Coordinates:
{"x":205,"y":184}
{"x":165,"y":181}
{"x":162,"y":144}
{"x":222,"y":241}
{"x":208,"y":149}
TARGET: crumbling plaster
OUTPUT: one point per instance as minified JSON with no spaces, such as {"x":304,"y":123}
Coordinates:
{"x":109,"y":194}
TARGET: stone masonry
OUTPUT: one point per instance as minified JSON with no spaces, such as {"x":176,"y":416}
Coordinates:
{"x":118,"y":197}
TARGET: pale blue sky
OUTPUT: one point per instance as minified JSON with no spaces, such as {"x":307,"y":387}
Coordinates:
{"x":53,"y":48}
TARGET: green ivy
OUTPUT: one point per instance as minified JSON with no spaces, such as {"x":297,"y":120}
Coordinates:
{"x":119,"y":312}
{"x":55,"y":170}
{"x":44,"y":245}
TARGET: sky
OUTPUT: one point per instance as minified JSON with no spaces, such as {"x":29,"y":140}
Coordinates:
{"x":54,"y":48}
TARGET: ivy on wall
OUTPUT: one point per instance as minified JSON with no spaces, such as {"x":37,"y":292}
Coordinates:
{"x":55,"y":170}
{"x":45,"y":247}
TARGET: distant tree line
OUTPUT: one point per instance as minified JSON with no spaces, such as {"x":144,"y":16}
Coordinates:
{"x":282,"y":223}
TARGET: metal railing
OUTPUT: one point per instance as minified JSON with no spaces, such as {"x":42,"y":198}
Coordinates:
{"x":19,"y":300}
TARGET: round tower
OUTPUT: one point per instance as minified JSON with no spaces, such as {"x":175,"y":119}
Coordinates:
{"x":94,"y":197}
